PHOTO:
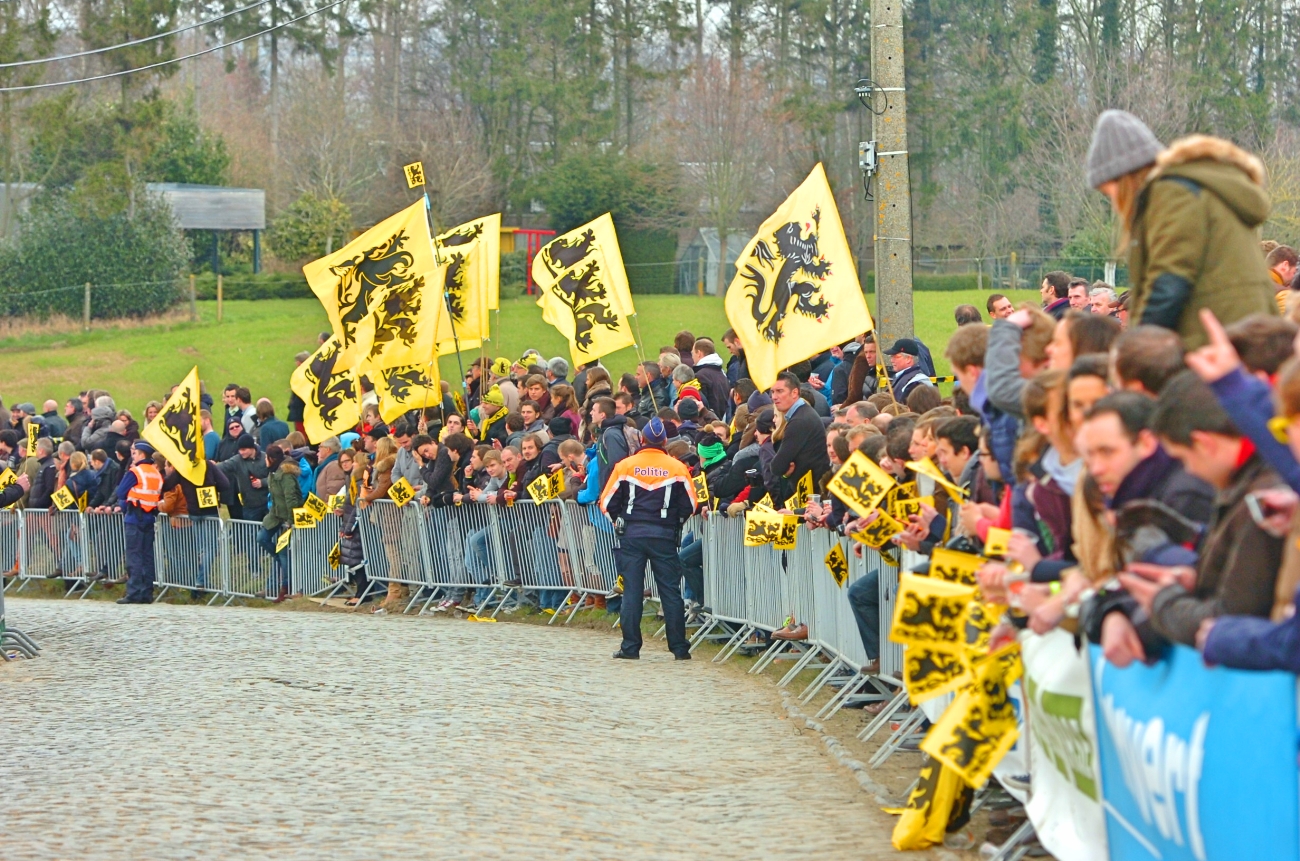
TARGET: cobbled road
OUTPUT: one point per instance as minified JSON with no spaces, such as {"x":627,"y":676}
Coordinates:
{"x":187,"y":732}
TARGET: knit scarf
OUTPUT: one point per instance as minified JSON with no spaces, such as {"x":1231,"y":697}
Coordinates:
{"x":488,"y":422}
{"x":711,"y":453}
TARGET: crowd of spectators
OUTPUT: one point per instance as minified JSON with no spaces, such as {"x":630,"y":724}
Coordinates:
{"x":1127,"y":439}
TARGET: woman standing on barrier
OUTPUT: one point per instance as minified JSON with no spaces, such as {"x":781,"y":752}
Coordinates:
{"x":352,"y":556}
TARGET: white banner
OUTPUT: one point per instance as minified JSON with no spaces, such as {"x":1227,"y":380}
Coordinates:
{"x":1065,"y":799}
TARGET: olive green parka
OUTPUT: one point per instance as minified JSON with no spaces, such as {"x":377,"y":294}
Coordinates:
{"x":1195,"y":239}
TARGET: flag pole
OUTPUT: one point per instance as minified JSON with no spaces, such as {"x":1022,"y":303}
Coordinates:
{"x":880,"y":366}
{"x":640,"y":350}
{"x":437,"y":258}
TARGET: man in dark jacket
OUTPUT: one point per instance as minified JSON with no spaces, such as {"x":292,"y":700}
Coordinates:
{"x":737,"y":366}
{"x":908,"y":373}
{"x":560,"y":429}
{"x":76,"y":416}
{"x":801,"y":448}
{"x":107,"y":476}
{"x":655,"y":392}
{"x":55,"y":423}
{"x":611,"y":446}
{"x":1237,"y":563}
{"x":714,"y":384}
{"x":1125,"y":460}
{"x":47,"y":476}
{"x":1055,"y":293}
{"x":248,"y":473}
{"x":648,"y":497}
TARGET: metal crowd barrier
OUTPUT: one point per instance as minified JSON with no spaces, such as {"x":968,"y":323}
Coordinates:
{"x":309,"y":554}
{"x":753,"y":590}
{"x":186,"y":554}
{"x":558,"y":551}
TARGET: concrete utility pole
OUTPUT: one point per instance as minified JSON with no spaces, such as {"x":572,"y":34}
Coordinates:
{"x":892,"y":231}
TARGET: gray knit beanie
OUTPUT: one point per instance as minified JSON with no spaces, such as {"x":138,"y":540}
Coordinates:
{"x":1121,"y":143}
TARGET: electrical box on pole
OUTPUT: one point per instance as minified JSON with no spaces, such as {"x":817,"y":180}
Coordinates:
{"x":883,"y":162}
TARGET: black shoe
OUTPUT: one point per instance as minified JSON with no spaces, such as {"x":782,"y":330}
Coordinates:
{"x":513,"y":584}
{"x":624,"y":656}
{"x":196,"y":595}
{"x":130,"y":601}
{"x":685,"y":656}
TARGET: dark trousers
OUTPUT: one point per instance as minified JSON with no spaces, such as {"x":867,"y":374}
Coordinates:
{"x":864,"y":599}
{"x":661,"y":553}
{"x":692,"y":559}
{"x":139,"y":562}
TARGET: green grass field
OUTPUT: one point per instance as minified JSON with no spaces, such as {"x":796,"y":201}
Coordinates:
{"x":255,"y":344}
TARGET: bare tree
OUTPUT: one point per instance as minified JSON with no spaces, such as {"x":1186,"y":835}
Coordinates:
{"x":328,"y":148}
{"x":726,"y":135}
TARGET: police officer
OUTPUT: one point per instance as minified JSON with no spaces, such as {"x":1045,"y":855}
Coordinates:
{"x":649,"y":496}
{"x":138,"y":495}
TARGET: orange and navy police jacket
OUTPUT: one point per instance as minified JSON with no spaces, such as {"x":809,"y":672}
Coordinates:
{"x":652,"y":492}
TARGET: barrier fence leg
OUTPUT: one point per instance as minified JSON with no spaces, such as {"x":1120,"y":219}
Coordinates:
{"x":571,"y":595}
{"x":822,"y":678}
{"x":837,"y":702}
{"x":703,"y":632}
{"x":1015,"y":849}
{"x":884,"y":717}
{"x":734,"y":644}
{"x":800,"y":666}
{"x":768,"y":656}
{"x":909,"y":725}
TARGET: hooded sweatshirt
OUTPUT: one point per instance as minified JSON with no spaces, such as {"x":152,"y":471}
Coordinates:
{"x":714,"y":385}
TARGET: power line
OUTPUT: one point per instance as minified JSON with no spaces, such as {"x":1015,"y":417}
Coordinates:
{"x":161,"y":63}
{"x":186,"y":28}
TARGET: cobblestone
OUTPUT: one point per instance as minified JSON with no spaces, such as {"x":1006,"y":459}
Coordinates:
{"x":165,"y":732}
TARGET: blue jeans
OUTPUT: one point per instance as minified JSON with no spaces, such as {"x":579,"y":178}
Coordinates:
{"x":546,"y":562}
{"x":864,"y":599}
{"x":70,"y":555}
{"x":477,"y":561}
{"x":691,"y":555}
{"x":278,"y":581}
{"x":203,"y":529}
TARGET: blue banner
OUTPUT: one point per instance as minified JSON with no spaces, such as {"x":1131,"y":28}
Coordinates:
{"x":1197,"y":764}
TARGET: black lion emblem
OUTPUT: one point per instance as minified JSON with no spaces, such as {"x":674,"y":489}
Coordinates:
{"x":585,"y":295}
{"x":802,"y":269}
{"x":397,"y":316}
{"x":363,"y":277}
{"x":177,"y":421}
{"x":565,"y":253}
{"x":453,"y":286}
{"x":329,"y":391}
{"x":401,"y":382}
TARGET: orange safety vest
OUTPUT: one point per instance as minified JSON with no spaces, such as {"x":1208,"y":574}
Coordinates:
{"x":148,"y":486}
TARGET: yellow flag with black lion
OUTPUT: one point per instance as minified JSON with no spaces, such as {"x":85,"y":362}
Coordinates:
{"x":584,"y":290}
{"x":796,"y":290}
{"x":177,"y":433}
{"x":381,"y":293}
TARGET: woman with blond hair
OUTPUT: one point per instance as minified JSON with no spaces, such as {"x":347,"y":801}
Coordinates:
{"x":1189,"y":218}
